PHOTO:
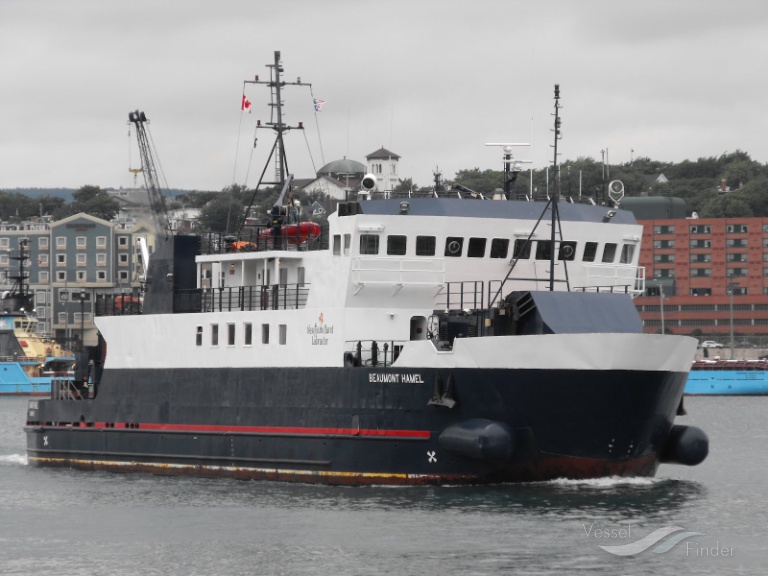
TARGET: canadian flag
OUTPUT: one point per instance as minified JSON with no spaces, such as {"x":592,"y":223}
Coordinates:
{"x":246,"y":105}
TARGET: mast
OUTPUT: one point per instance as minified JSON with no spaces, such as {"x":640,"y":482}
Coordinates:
{"x":276,"y":84}
{"x":556,"y":195}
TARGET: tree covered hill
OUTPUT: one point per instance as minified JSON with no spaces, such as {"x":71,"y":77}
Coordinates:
{"x":731,"y":185}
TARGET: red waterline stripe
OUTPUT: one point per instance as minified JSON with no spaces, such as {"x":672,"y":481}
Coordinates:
{"x":271,"y":430}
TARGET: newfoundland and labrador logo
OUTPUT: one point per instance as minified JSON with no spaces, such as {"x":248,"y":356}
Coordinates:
{"x":320,"y":331}
{"x":659,"y":541}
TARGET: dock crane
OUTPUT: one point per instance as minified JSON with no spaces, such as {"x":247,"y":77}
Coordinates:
{"x":156,"y":198}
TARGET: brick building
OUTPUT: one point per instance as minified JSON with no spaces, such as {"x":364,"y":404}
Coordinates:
{"x":711,"y":273}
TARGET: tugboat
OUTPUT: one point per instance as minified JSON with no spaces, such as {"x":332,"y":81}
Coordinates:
{"x":29,"y":360}
{"x":386,"y":350}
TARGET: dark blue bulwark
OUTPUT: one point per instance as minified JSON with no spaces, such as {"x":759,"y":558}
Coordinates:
{"x":586,"y":312}
{"x":510,"y":210}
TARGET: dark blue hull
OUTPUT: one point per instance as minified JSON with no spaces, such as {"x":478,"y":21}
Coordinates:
{"x":360,"y":425}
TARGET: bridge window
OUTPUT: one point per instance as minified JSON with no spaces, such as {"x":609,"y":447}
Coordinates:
{"x":627,"y":253}
{"x":199,"y":336}
{"x":453,"y":245}
{"x":369,"y":243}
{"x":425,"y":245}
{"x":214,"y":334}
{"x":265,"y":333}
{"x":396,"y":245}
{"x":543,"y":250}
{"x":336,"y":244}
{"x":499,"y":248}
{"x":522,"y":249}
{"x":476,"y":248}
{"x":590,"y":251}
{"x":230,"y":334}
{"x":609,"y":253}
{"x":247,"y":333}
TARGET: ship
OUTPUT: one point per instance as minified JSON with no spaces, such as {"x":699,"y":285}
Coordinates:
{"x":29,"y":359}
{"x":720,"y":377}
{"x":422,"y":339}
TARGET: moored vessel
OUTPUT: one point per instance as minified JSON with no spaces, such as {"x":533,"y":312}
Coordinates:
{"x":719,"y":377}
{"x":29,"y":360}
{"x":410,"y":342}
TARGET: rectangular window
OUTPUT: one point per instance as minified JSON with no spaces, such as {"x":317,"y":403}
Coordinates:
{"x":61,"y":241}
{"x":666,"y":258}
{"x":396,"y":245}
{"x":81,"y":259}
{"x":42,"y":259}
{"x":347,"y":243}
{"x":476,"y":248}
{"x":499,"y":248}
{"x":609,"y":253}
{"x":522,"y":249}
{"x":61,"y":259}
{"x":214,"y":334}
{"x":5,"y":243}
{"x":567,"y":250}
{"x":61,"y":276}
{"x":627,"y":253}
{"x":701,"y":243}
{"x":230,"y":334}
{"x":300,"y":276}
{"x":265,"y":333}
{"x":42,"y":243}
{"x":701,"y":272}
{"x":699,"y":229}
{"x":101,"y":275}
{"x":62,"y":317}
{"x":81,"y":242}
{"x":453,"y":245}
{"x":122,"y":275}
{"x":101,"y":242}
{"x":199,"y":336}
{"x":43,"y":277}
{"x":80,"y":275}
{"x":425,"y":245}
{"x":283,"y":334}
{"x":590,"y":252}
{"x":543,"y":249}
{"x":122,"y":259}
{"x":369,"y":243}
{"x":664,"y":273}
{"x":661,"y":244}
{"x":337,"y":244}
{"x":248,"y":334}
{"x":122,"y":241}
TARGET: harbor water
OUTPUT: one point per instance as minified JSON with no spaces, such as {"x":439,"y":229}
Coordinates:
{"x":66,"y":522}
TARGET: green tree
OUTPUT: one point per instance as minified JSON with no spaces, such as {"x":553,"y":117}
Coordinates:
{"x":94,"y":201}
{"x":732,"y":205}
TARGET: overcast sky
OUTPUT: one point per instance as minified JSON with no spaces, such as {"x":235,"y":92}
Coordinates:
{"x":432,"y":81}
